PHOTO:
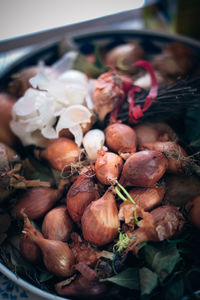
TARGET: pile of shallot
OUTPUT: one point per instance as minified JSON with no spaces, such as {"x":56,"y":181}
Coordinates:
{"x":107,"y":179}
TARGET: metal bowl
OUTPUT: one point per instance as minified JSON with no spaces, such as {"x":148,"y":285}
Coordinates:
{"x":153,"y":42}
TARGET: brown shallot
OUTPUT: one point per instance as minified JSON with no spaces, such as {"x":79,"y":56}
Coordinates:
{"x":108,"y":167}
{"x":57,"y":256}
{"x":80,"y":195}
{"x":57,"y":224}
{"x":121,"y":138}
{"x":100,"y":220}
{"x":175,"y":154}
{"x":193,"y":208}
{"x":143,"y":168}
{"x":61,"y":153}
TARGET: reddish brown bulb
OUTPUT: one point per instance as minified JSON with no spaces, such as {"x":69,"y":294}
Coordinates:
{"x":143,"y":168}
{"x":100,"y":220}
{"x":57,"y":224}
{"x":80,"y":195}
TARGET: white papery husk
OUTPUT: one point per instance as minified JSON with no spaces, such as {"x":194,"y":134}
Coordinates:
{"x":72,"y":118}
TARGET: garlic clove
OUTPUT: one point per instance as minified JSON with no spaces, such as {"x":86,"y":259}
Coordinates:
{"x":92,"y":142}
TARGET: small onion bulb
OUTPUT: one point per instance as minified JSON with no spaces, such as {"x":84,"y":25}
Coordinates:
{"x":92,"y":142}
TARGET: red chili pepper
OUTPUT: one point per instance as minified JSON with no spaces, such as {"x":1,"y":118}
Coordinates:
{"x":136,"y":111}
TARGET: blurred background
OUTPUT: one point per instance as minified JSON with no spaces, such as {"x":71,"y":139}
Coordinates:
{"x":26,"y":23}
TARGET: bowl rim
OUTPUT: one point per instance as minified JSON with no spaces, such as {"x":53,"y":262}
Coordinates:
{"x":92,"y":34}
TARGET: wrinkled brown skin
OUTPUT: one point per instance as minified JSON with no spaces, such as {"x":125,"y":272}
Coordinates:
{"x":176,"y":60}
{"x":81,"y":287}
{"x":162,"y":223}
{"x":107,"y":94}
{"x":28,"y":248}
{"x":121,"y":138}
{"x":193,"y":208}
{"x":108,"y":167}
{"x":146,"y":198}
{"x":6,"y":104}
{"x":35,"y":202}
{"x":100,"y":220}
{"x":61,"y":153}
{"x":83,"y":251}
{"x":125,"y":54}
{"x":80,"y":195}
{"x":57,"y":224}
{"x":143,"y":169}
{"x":174,"y":153}
{"x":153,"y":132}
{"x":180,"y":189}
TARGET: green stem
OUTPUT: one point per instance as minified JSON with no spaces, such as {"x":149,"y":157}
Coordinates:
{"x":120,"y":194}
{"x":125,"y":192}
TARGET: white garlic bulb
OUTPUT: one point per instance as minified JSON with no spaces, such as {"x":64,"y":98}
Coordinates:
{"x":92,"y":142}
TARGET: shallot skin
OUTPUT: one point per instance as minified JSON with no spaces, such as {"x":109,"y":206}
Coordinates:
{"x":121,"y":138}
{"x":100,"y":220}
{"x":61,"y":153}
{"x":57,"y":224}
{"x":194,"y":211}
{"x":108,"y":167}
{"x":162,"y":223}
{"x":80,"y":195}
{"x":143,"y":169}
{"x":35,"y":202}
{"x":174,"y":152}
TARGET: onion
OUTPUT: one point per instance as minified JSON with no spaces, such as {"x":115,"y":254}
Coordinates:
{"x":100,"y":221}
{"x":61,"y":153}
{"x":57,"y":224}
{"x":174,"y":153}
{"x":108,"y":167}
{"x":121,"y":139}
{"x":124,"y":55}
{"x":57,"y":256}
{"x":143,"y":168}
{"x":152,"y":132}
{"x":80,"y":195}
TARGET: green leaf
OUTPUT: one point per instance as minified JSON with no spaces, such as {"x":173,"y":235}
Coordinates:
{"x":174,"y":290}
{"x":162,"y":258}
{"x":34,"y":169}
{"x":148,"y":281}
{"x":128,"y":278}
{"x":83,"y":65}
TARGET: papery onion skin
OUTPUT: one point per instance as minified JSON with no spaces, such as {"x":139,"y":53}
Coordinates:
{"x":35,"y":202}
{"x":100,"y":220}
{"x":81,"y":287}
{"x":108,"y":167}
{"x":80,"y":195}
{"x":57,"y":256}
{"x":121,"y":138}
{"x":57,"y":224}
{"x":143,"y":169}
{"x":28,"y":248}
{"x":107,"y":94}
{"x":174,"y":152}
{"x":61,"y":153}
{"x":162,"y":223}
{"x":152,"y":132}
{"x":146,"y":198}
{"x":6,"y":104}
